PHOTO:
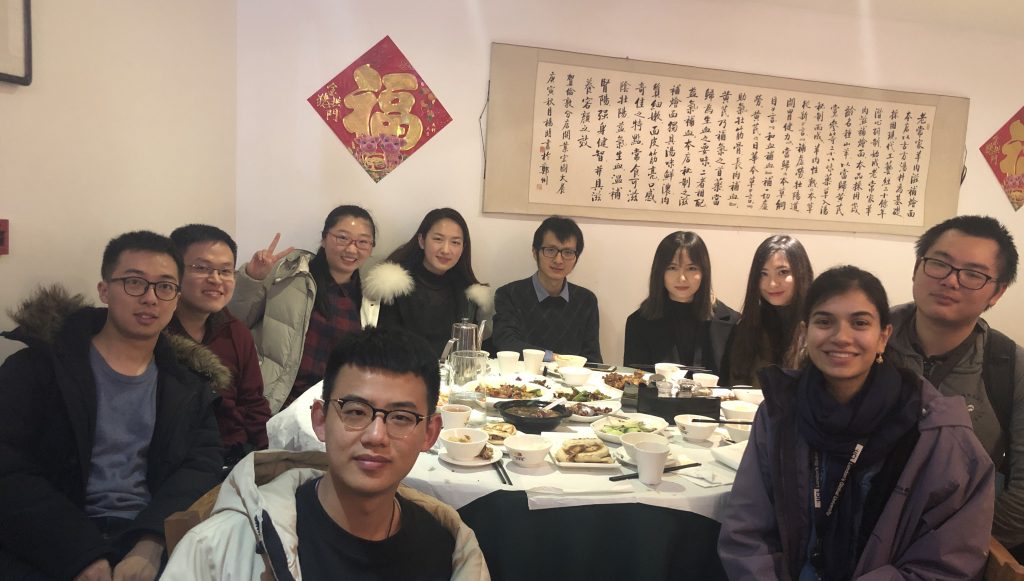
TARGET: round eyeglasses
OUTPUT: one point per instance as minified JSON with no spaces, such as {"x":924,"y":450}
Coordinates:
{"x":136,"y":286}
{"x":358,"y":415}
{"x":344,"y":240}
{"x":967,"y":278}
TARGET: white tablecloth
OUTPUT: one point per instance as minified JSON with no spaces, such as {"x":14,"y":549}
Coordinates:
{"x":549,"y":486}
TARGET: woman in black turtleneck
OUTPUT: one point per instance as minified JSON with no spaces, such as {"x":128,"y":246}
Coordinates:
{"x":427,"y":284}
{"x":769,"y":331}
{"x":680,"y":321}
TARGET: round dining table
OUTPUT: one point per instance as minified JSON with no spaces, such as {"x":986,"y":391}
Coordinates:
{"x":555,"y":522}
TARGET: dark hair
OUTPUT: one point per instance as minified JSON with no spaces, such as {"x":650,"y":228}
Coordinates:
{"x":563,"y":228}
{"x":318,"y":268}
{"x":185,"y":236}
{"x":980,"y":227}
{"x":763,"y":325}
{"x":394,"y":350}
{"x":842,"y":279}
{"x":653,"y":306}
{"x":410,"y":253}
{"x":138,"y":241}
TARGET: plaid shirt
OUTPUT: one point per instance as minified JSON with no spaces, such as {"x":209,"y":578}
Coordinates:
{"x":343,"y":302}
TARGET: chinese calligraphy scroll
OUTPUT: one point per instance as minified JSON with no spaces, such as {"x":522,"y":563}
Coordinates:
{"x":380,"y":108}
{"x":629,"y":140}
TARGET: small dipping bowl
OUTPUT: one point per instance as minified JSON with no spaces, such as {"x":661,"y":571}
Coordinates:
{"x":527,"y":449}
{"x":738,"y":433}
{"x":463,"y":450}
{"x":574,"y":375}
{"x":695,"y":431}
{"x":630,"y":440}
{"x":738,"y":410}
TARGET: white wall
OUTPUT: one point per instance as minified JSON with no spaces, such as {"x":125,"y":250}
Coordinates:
{"x":128,"y":124}
{"x":292,"y":169}
{"x":134,"y":121}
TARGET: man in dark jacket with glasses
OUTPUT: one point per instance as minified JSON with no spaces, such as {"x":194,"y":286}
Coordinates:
{"x":104,"y":432}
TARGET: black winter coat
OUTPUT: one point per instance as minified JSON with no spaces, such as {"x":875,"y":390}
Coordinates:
{"x":47,"y":426}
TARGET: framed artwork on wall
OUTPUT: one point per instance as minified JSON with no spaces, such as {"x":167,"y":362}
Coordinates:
{"x":15,"y":42}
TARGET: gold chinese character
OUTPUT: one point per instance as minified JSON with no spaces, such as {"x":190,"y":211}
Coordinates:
{"x":389,"y":94}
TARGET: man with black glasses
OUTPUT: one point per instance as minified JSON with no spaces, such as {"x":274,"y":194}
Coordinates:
{"x":964,"y":266}
{"x":209,"y":254}
{"x":341,"y":514}
{"x":546,"y":311}
{"x":103,"y":432}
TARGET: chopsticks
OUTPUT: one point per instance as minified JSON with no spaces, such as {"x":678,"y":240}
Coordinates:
{"x":669,"y":469}
{"x":499,"y":467}
{"x":650,"y":368}
{"x":722,"y":422}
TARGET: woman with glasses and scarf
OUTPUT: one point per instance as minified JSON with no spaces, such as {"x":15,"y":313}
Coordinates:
{"x":299,"y":304}
{"x":856,"y":468}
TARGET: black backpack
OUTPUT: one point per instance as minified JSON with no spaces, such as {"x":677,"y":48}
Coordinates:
{"x":997,"y":373}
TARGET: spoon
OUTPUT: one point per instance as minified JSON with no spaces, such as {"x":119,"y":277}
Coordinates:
{"x":557,"y":402}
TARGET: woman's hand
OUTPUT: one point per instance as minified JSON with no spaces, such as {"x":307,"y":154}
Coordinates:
{"x":264,"y":260}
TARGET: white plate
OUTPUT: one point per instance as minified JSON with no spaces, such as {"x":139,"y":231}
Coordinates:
{"x":598,"y":465}
{"x":472,"y":385}
{"x":495,"y":456}
{"x":614,"y":405}
{"x":651,"y":421}
{"x":676,"y":455}
{"x":610,"y":393}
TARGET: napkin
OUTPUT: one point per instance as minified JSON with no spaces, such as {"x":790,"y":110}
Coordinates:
{"x":708,"y":478}
{"x":730,"y":455}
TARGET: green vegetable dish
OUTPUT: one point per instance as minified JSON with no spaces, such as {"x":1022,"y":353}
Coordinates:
{"x":625,"y":427}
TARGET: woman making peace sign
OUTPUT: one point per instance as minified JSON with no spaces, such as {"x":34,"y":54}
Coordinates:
{"x":298,"y":304}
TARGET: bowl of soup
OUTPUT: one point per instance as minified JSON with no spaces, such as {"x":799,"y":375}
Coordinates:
{"x":530,"y":417}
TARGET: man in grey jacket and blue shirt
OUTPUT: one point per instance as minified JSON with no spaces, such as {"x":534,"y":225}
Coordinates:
{"x":963,"y":267}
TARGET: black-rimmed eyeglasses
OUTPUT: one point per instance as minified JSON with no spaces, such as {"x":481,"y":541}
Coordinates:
{"x":551,"y":251}
{"x":344,"y":240}
{"x":967,"y":278}
{"x":136,"y":286}
{"x":357,"y":415}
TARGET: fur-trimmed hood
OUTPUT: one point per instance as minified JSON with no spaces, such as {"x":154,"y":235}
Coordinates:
{"x":387,"y":281}
{"x":41,"y":317}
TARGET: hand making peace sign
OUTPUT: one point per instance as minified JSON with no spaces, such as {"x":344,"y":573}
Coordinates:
{"x":263,"y":260}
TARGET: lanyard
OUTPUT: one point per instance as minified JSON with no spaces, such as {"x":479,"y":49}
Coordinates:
{"x":821,"y":520}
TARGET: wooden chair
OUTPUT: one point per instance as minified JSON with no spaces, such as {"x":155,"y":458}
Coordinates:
{"x":1001,"y":565}
{"x":179,"y":523}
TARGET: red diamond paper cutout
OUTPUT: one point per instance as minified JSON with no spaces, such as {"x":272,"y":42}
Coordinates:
{"x":1004,"y":153}
{"x":381,"y":109}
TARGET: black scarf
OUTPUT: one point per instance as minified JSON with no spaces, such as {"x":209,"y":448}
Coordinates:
{"x":881,"y":413}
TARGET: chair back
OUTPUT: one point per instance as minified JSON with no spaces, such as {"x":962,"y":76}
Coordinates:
{"x":179,"y":523}
{"x":1001,"y":565}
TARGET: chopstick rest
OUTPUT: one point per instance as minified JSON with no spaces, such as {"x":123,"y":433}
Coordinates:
{"x":637,"y":474}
